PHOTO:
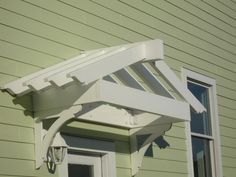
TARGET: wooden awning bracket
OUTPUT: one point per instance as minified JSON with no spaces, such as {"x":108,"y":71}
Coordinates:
{"x":137,"y":155}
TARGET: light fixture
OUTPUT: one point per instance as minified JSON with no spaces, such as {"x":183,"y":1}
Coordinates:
{"x":57,"y":150}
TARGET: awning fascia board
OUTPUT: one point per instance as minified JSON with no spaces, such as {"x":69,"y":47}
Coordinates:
{"x":114,"y":94}
{"x":141,"y":100}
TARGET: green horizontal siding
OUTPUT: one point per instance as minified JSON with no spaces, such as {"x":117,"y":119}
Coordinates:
{"x":16,"y":150}
{"x":15,"y":167}
{"x":170,"y":152}
{"x":160,"y":173}
{"x":16,"y":133}
{"x":227,"y":112}
{"x":20,"y":37}
{"x":8,"y":116}
{"x":164,"y":165}
{"x":27,"y":55}
{"x":5,"y":78}
{"x":123,"y":172}
{"x":228,"y":4}
{"x":227,"y":141}
{"x":22,"y":103}
{"x":228,"y":152}
{"x":228,"y":122}
{"x":213,"y":10}
{"x":228,"y":171}
{"x":17,"y":68}
{"x":228,"y":131}
{"x":198,"y":35}
{"x":123,"y":161}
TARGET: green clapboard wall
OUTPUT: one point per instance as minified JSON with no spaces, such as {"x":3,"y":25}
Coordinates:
{"x":198,"y":34}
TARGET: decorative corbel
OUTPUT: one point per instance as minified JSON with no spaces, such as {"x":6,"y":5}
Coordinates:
{"x":137,"y":155}
{"x":43,"y":139}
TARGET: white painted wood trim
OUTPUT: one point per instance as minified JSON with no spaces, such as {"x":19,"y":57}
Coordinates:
{"x":109,"y":64}
{"x":88,"y":67}
{"x":104,"y":148}
{"x":19,"y":86}
{"x":179,"y":86}
{"x":125,"y":75}
{"x":202,"y":136}
{"x":152,"y":80}
{"x":215,"y":123}
{"x":137,"y":155}
{"x":44,"y":143}
{"x":141,"y":100}
{"x":94,"y":161}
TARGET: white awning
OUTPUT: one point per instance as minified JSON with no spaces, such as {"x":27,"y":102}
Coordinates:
{"x":117,"y":86}
{"x":117,"y":64}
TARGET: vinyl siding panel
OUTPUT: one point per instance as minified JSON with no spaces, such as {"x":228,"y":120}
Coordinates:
{"x":228,"y":123}
{"x":17,"y":68}
{"x":5,"y":78}
{"x":228,"y":152}
{"x":213,"y":16}
{"x":16,"y":133}
{"x":196,"y":17}
{"x":27,"y":55}
{"x":198,"y":35}
{"x":22,"y":103}
{"x":160,"y":173}
{"x":36,"y":42}
{"x":123,"y":172}
{"x":16,"y":150}
{"x":8,"y":115}
{"x":228,"y":3}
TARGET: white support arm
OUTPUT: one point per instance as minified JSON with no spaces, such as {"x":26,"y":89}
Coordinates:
{"x":137,"y":155}
{"x":170,"y":76}
{"x":47,"y":140}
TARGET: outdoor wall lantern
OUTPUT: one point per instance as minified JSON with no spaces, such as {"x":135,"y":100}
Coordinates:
{"x":57,"y":150}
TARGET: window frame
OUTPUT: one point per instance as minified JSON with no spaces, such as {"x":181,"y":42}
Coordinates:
{"x":215,"y":147}
{"x":89,"y":160}
{"x":105,"y":149}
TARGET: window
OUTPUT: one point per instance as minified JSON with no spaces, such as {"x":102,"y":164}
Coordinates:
{"x":88,"y":158}
{"x":84,"y":165}
{"x":201,"y":133}
{"x":203,"y":129}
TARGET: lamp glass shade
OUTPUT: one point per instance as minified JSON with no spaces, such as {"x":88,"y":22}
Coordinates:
{"x":58,"y":149}
{"x":57,"y":154}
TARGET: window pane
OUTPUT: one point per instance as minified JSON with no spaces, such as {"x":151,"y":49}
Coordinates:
{"x":76,"y":170}
{"x":201,"y":157}
{"x":200,"y":123}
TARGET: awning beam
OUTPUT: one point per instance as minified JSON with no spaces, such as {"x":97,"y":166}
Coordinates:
{"x":179,"y":86}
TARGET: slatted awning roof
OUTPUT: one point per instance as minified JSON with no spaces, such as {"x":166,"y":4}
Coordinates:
{"x":130,"y":65}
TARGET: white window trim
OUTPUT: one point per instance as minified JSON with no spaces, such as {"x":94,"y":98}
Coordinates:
{"x":103,"y":148}
{"x":93,"y":161}
{"x":216,"y":152}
